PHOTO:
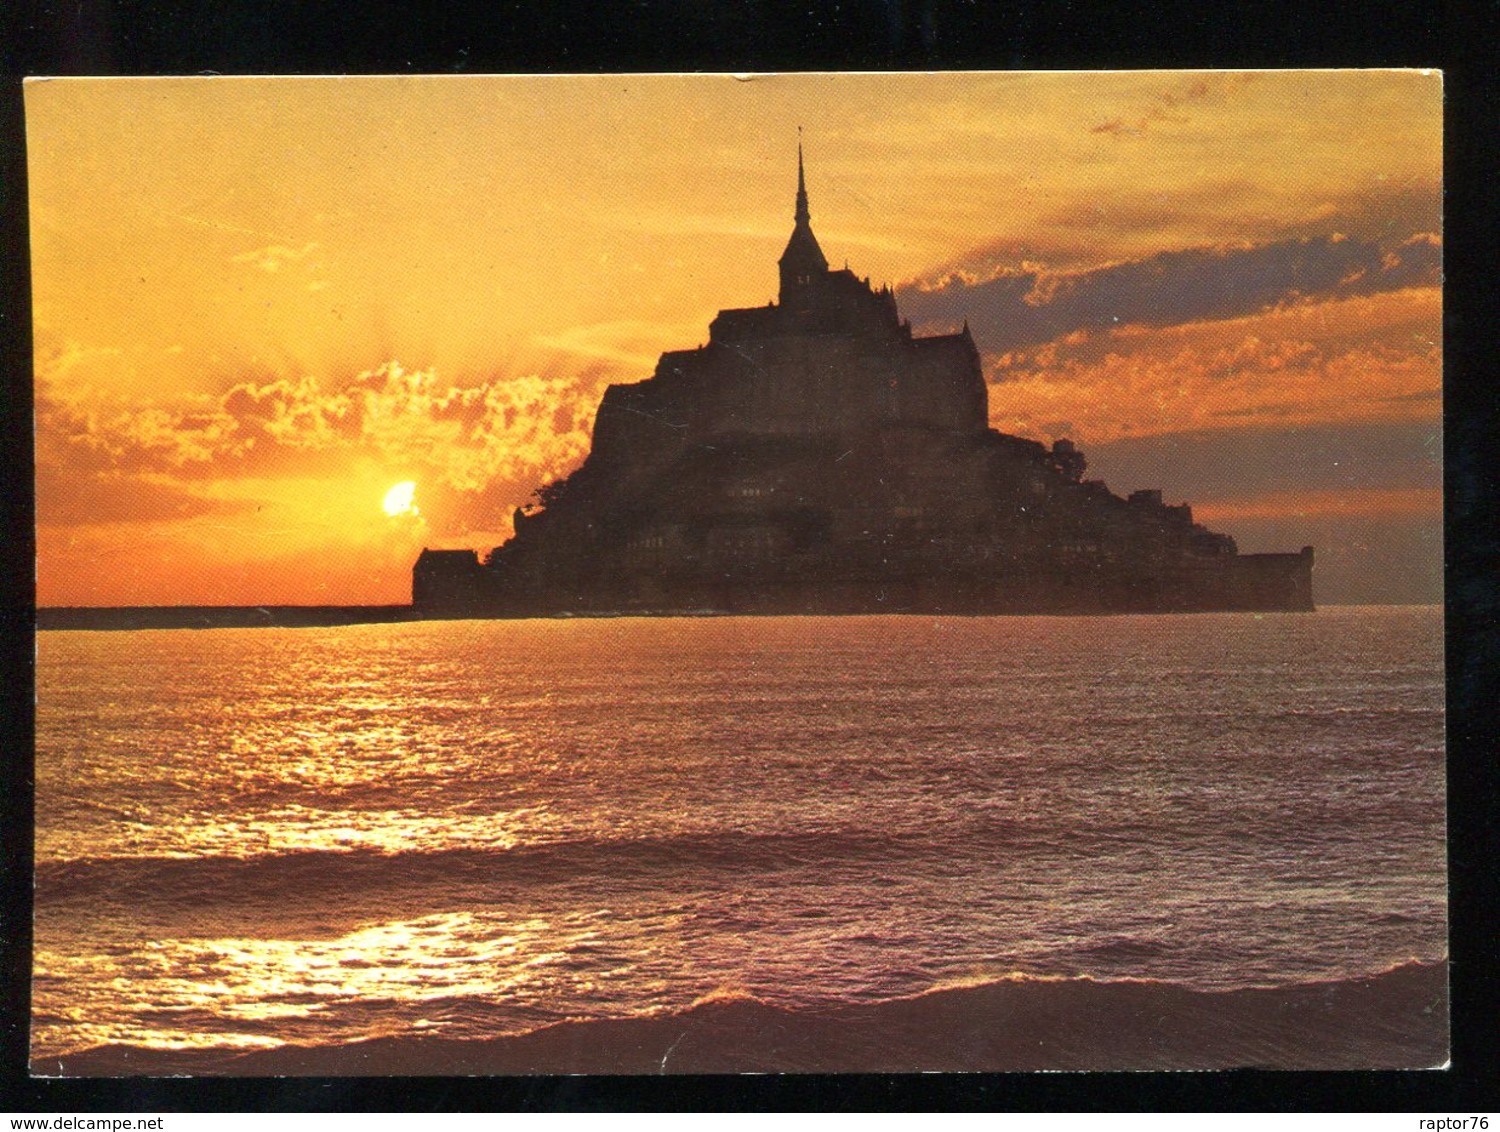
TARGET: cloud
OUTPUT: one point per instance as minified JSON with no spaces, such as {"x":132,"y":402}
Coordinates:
{"x":1022,"y":307}
{"x":476,"y":450}
{"x":1171,"y":105}
{"x":1367,"y":358}
{"x":91,"y":435}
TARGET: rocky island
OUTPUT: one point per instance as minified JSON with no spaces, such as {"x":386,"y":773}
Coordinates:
{"x":816,"y":456}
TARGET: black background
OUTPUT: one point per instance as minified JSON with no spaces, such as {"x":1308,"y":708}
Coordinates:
{"x":131,"y":37}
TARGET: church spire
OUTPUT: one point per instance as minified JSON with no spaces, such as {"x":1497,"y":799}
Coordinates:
{"x":802,"y":216}
{"x":803,"y":263}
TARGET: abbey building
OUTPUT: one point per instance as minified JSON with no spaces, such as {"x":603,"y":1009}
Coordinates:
{"x":816,"y":456}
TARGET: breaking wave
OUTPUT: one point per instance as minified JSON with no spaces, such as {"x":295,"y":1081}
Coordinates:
{"x":1396,"y":1019}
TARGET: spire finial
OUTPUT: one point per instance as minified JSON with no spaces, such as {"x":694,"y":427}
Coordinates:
{"x":802,"y":215}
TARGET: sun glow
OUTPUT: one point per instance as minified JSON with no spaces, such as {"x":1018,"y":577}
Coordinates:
{"x":399,"y":500}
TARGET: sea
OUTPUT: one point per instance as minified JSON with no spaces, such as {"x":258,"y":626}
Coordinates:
{"x":743,"y":844}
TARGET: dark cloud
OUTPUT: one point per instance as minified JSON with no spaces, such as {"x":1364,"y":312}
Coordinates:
{"x":1021,"y":308}
{"x":1074,"y":238}
{"x":1236,"y":463}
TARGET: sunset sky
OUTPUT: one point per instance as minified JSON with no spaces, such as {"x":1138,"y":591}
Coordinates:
{"x":262,"y":303}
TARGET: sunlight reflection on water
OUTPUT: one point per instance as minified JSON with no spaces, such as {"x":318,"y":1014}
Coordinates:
{"x":468,"y":828}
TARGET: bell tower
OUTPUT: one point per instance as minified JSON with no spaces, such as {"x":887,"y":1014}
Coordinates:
{"x":803,"y":264}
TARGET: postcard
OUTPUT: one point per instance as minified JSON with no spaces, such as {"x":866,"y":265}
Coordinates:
{"x":798,"y":573}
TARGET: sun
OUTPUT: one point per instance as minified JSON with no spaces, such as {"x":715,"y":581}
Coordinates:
{"x":399,"y":500}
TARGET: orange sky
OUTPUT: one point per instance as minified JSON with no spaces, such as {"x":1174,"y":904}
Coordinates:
{"x":259,"y":303}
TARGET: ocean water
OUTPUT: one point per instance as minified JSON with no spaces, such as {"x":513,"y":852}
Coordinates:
{"x":305,"y":839}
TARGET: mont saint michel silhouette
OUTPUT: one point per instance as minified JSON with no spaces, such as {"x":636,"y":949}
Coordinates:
{"x":816,"y":456}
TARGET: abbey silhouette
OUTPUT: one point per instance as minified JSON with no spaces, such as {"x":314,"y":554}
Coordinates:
{"x":817,"y":457}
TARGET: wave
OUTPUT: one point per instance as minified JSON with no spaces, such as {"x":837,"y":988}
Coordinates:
{"x":1397,"y":1019}
{"x":1123,"y":947}
{"x":353,"y":870}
